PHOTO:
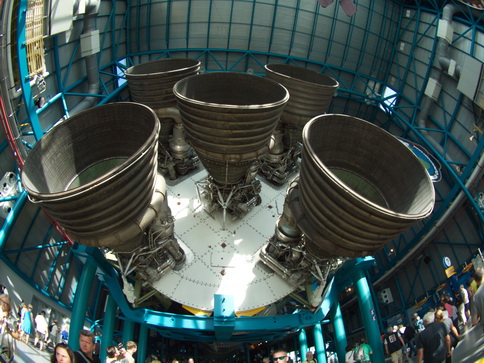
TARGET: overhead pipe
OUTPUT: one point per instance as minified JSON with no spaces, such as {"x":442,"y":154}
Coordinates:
{"x":443,"y":63}
{"x":441,"y":59}
{"x":92,"y":69}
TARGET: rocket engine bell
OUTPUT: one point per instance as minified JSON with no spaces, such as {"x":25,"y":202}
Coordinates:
{"x":96,"y":175}
{"x":229,"y":119}
{"x":358,"y":188}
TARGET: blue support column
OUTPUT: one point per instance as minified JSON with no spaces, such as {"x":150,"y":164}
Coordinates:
{"x":128,"y":331}
{"x":303,"y":344}
{"x":319,"y":343}
{"x":81,"y":300}
{"x":11,"y":218}
{"x":195,"y":352}
{"x":375,"y":302}
{"x":223,"y":316}
{"x":108,"y":326}
{"x":142,"y":343}
{"x":247,"y":352}
{"x":23,"y":69}
{"x":339,"y":331}
{"x":368,"y":315}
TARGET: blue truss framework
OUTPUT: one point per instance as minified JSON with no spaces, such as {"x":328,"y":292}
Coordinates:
{"x":64,"y":256}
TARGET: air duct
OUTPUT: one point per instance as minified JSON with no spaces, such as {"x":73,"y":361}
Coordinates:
{"x":229,"y":119}
{"x":311,"y":94}
{"x":151,"y":84}
{"x":95,"y":174}
{"x":90,"y":15}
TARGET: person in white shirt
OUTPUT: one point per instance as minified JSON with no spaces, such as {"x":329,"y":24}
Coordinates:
{"x":41,"y":327}
{"x":350,"y":354}
{"x":131,"y":348}
{"x":464,"y":307}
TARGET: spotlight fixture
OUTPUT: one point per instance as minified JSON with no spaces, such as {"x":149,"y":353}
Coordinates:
{"x":39,"y":102}
{"x":475,"y":134}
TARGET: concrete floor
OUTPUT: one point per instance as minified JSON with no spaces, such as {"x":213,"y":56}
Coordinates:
{"x":471,"y":348}
{"x":28,"y":354}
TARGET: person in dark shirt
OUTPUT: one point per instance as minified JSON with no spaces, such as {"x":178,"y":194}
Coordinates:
{"x":86,"y":344}
{"x":393,"y":345}
{"x":409,"y":337}
{"x":433,"y":343}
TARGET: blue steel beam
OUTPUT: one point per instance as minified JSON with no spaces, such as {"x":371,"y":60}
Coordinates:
{"x":306,"y":60}
{"x":54,"y":265}
{"x":349,"y":35}
{"x":189,"y":13}
{"x":36,"y":287}
{"x":138,"y":25}
{"x":274,"y":17}
{"x":331,"y":34}
{"x":384,"y":30}
{"x":81,"y":299}
{"x":193,"y":327}
{"x":128,"y":26}
{"x":39,"y":255}
{"x":313,"y":31}
{"x":147,"y":23}
{"x":303,"y":343}
{"x":11,"y":219}
{"x":34,"y":248}
{"x":209,"y":25}
{"x":294,"y":27}
{"x":23,"y":70}
{"x":339,"y":331}
{"x":223,"y":317}
{"x":231,"y":16}
{"x":66,"y":268}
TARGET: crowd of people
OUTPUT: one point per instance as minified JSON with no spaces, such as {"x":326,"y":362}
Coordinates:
{"x":21,"y":325}
{"x":38,"y":327}
{"x":433,"y":337}
{"x":429,"y":339}
{"x":63,"y":353}
{"x":450,"y":319}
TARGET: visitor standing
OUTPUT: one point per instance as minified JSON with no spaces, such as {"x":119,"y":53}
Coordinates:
{"x":41,"y":327}
{"x":28,"y":324}
{"x":86,"y":348}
